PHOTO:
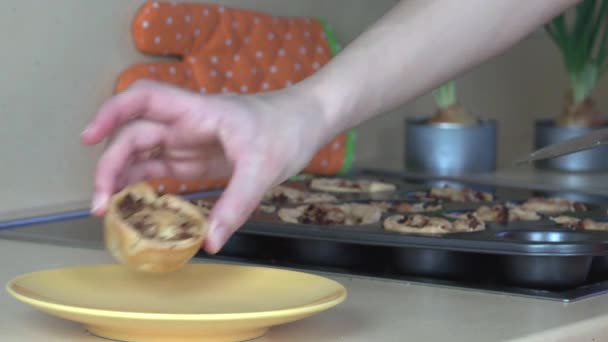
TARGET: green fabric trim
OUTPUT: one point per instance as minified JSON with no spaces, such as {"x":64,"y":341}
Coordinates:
{"x":334,"y":45}
{"x":349,"y":151}
{"x":335,"y":48}
{"x":303,"y":176}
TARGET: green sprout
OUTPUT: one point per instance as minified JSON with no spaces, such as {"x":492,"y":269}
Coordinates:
{"x":445,"y":95}
{"x":583,"y":43}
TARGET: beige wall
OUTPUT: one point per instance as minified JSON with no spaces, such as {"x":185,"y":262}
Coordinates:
{"x":60,"y":59}
{"x":524,"y":84}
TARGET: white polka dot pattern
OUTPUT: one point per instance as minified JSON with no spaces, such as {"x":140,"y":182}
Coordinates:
{"x":251,"y":53}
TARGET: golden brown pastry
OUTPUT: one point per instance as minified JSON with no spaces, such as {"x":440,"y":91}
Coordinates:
{"x":331,"y":214}
{"x":150,"y":233}
{"x":452,"y":194}
{"x":552,"y":205}
{"x":422,"y":224}
{"x":351,"y":186}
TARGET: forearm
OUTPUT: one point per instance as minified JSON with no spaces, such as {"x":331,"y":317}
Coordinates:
{"x":417,"y":46}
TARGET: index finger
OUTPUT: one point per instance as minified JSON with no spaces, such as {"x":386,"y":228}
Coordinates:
{"x":144,"y":99}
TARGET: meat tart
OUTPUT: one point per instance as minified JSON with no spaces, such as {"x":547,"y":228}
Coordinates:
{"x":418,"y":207}
{"x":206,"y":205}
{"x":332,"y":214}
{"x":382,"y":205}
{"x":351,"y":185}
{"x":452,"y":194}
{"x":431,"y":225}
{"x":553,"y":205}
{"x":501,"y":213}
{"x":150,"y":233}
{"x":281,"y":194}
{"x":571,"y":222}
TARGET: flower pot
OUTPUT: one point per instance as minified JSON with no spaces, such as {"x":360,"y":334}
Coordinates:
{"x":547,"y":133}
{"x":450,"y":149}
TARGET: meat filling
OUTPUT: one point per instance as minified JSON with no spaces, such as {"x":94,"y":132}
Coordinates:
{"x":323,"y":215}
{"x":156,"y":220}
{"x":577,"y":223}
{"x":350,"y":184}
{"x":420,"y":221}
{"x":448,"y":193}
{"x":417,"y":207}
{"x":469,"y":223}
{"x":552,"y":206}
{"x":279,"y":199}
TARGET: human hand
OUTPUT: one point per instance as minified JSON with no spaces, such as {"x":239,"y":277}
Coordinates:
{"x":216,"y":49}
{"x":162,"y":131}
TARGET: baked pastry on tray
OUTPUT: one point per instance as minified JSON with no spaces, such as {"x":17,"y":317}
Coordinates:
{"x":501,"y":213}
{"x":553,"y":205}
{"x":332,"y":214}
{"x":418,"y":207}
{"x":150,"y":233}
{"x":351,"y":185}
{"x":452,"y":194}
{"x":285,"y":195}
{"x":423,"y":224}
{"x":579,"y":223}
{"x":205,"y":206}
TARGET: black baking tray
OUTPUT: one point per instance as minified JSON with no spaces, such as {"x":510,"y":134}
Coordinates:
{"x":538,"y":254}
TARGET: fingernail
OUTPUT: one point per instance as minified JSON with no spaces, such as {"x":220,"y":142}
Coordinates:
{"x":99,"y":201}
{"x":86,"y":130}
{"x":217,"y":236}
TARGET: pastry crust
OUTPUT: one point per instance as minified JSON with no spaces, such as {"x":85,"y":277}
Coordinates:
{"x":502,"y":214}
{"x":285,"y":195}
{"x":331,"y":214}
{"x":577,"y":223}
{"x":150,"y":233}
{"x":452,"y":194}
{"x":422,"y":224}
{"x":518,"y":213}
{"x":205,"y":206}
{"x":382,"y":205}
{"x":351,"y":186}
{"x":419,"y":207}
{"x":552,"y":205}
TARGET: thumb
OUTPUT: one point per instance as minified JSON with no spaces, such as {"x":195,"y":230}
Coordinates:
{"x":244,"y":192}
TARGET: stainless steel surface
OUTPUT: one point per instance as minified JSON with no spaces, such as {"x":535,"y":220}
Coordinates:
{"x":450,"y":149}
{"x":587,"y":141}
{"x":592,"y":160}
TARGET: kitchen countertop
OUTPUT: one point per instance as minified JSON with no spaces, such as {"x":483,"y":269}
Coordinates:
{"x":375,"y":310}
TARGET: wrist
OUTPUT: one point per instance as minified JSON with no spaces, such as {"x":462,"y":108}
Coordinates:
{"x":328,"y":103}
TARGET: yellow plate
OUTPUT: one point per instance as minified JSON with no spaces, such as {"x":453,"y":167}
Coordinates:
{"x":201,"y":302}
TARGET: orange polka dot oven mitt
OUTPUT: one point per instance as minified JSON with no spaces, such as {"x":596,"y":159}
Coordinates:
{"x":216,"y":49}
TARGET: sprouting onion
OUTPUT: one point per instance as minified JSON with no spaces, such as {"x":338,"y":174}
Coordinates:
{"x":445,"y":95}
{"x":583,"y":42}
{"x":448,"y":109}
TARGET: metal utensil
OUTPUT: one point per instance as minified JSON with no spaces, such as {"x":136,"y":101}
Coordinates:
{"x":584,"y":142}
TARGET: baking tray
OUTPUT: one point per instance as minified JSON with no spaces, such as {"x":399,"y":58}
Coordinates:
{"x":539,"y":254}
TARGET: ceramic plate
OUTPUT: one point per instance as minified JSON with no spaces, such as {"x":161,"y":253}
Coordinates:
{"x":201,"y":302}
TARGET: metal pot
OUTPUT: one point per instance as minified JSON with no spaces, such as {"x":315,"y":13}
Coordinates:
{"x":547,"y":133}
{"x":450,"y":149}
